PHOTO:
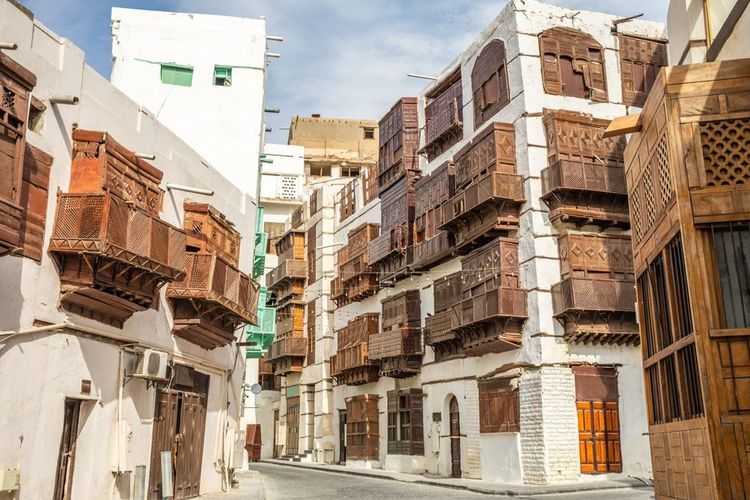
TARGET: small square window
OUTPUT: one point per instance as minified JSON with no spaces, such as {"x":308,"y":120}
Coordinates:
{"x":369,"y":133}
{"x":223,"y":76}
{"x":173,"y":74}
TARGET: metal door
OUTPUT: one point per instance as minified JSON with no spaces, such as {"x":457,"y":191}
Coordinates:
{"x":292,"y":425}
{"x":179,"y":427}
{"x":342,"y":436}
{"x":455,"y":437}
{"x":66,"y":459}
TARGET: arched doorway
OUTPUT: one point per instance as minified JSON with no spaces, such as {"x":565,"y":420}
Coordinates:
{"x":455,"y":437}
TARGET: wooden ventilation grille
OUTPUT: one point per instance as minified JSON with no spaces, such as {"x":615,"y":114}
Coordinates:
{"x":573,"y":64}
{"x":489,"y":82}
{"x":444,"y":117}
{"x":726,"y":151}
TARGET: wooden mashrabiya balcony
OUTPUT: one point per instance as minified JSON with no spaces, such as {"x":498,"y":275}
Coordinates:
{"x":351,"y":364}
{"x":432,"y":245}
{"x":212,"y":300}
{"x":440,"y":328}
{"x":595,"y":300}
{"x":489,"y":192}
{"x":398,"y":346}
{"x":585,"y":180}
{"x":112,"y":258}
{"x":287,"y":355}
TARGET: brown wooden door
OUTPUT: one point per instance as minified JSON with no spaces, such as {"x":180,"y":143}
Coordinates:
{"x":66,"y":459}
{"x":455,"y":437}
{"x":599,"y":436}
{"x":342,"y":436}
{"x":275,"y":450}
{"x":292,"y":426}
{"x":179,"y":427}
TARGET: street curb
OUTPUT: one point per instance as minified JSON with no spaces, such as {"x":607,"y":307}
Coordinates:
{"x":633,"y":483}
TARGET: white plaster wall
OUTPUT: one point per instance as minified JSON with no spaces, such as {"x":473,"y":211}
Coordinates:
{"x":501,"y":457}
{"x":54,"y":364}
{"x":224,"y":124}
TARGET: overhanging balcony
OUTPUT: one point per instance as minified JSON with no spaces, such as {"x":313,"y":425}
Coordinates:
{"x":590,"y":192}
{"x":491,"y":322}
{"x":433,"y":250}
{"x":581,"y":294}
{"x":351,"y":366}
{"x":287,"y":278}
{"x":441,"y":327}
{"x":212,"y":301}
{"x":485,"y":209}
{"x":398,"y":351}
{"x":287,"y":355}
{"x":112,"y":257}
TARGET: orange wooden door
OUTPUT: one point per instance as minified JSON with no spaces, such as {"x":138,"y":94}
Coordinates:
{"x":599,"y":437}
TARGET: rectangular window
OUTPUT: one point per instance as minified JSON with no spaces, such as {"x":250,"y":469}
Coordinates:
{"x":499,"y":409}
{"x":405,"y":434}
{"x":369,"y":133}
{"x":733,"y":267}
{"x":172,"y":74}
{"x":222,"y":76}
{"x":670,"y":364}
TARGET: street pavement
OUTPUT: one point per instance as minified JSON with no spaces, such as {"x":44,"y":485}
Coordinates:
{"x":272,"y":482}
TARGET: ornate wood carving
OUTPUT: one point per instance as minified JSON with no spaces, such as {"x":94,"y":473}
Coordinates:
{"x":37,"y":166}
{"x":399,"y":141}
{"x":488,"y":191}
{"x":351,"y":364}
{"x":356,"y":278}
{"x":399,"y":337}
{"x":489,"y":82}
{"x":440,"y":328}
{"x":362,"y":435}
{"x":209,"y":230}
{"x":573,"y":64}
{"x":287,"y":355}
{"x":686,"y":183}
{"x":390,"y":252}
{"x":585,"y":180}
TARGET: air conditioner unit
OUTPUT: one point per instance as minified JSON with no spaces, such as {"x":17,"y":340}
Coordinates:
{"x":151,"y":364}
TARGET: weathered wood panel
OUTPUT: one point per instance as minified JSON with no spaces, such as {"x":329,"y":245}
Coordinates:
{"x":489,"y":82}
{"x":209,"y":230}
{"x":399,"y":141}
{"x":444,"y":117}
{"x":573,"y":64}
{"x":432,"y":244}
{"x":37,"y":166}
{"x":640,"y":61}
{"x":362,"y":435}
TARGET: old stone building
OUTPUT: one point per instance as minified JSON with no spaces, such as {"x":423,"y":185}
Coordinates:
{"x":484,"y":322}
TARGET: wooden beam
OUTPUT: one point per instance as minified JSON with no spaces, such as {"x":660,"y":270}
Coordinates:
{"x":623,"y":125}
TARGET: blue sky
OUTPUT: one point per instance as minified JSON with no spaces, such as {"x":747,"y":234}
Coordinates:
{"x":340,"y":58}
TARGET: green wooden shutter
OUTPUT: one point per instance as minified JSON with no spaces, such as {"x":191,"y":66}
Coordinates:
{"x":173,"y":74}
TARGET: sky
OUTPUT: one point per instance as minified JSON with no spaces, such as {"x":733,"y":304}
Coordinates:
{"x":339,"y":58}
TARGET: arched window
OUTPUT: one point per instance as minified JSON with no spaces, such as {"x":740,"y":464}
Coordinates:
{"x":489,"y":82}
{"x":573,"y":64}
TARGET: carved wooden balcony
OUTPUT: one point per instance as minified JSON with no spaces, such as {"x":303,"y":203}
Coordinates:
{"x":399,"y":141}
{"x":208,"y":229}
{"x":585,"y":180}
{"x":351,"y":364}
{"x":485,"y":209}
{"x":397,"y":342}
{"x":441,"y":327}
{"x":266,"y":378}
{"x":432,"y":245}
{"x":112,"y":257}
{"x":290,"y":271}
{"x":212,"y":301}
{"x":595,"y":301}
{"x":16,"y":83}
{"x":287,"y":355}
{"x":444,"y":118}
{"x":390,"y":253}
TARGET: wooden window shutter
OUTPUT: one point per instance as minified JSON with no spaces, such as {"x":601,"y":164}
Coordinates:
{"x":34,"y":196}
{"x":415,"y":418}
{"x":489,"y":82}
{"x":587,"y":57}
{"x":640,"y":62}
{"x":499,"y":409}
{"x":392,"y":419}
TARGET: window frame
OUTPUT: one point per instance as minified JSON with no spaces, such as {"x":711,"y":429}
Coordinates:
{"x":189,"y":70}
{"x":499,"y":406}
{"x":405,"y":426}
{"x":227,"y":76}
{"x":481,"y":76}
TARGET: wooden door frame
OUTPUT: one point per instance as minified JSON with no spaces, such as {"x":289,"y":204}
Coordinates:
{"x":289,"y":427}
{"x":456,"y":436}
{"x":342,"y":436}
{"x":68,"y":442}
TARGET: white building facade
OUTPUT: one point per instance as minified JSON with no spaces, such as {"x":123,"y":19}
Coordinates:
{"x":510,"y":401}
{"x":76,"y":422}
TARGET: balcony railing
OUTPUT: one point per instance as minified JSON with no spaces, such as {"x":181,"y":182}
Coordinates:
{"x":294,"y":347}
{"x":290,"y":269}
{"x":580,"y":294}
{"x":395,"y":342}
{"x":432,"y":250}
{"x":496,"y":186}
{"x":444,"y":114}
{"x":349,"y":358}
{"x":575,"y":176}
{"x":494,"y":304}
{"x":99,"y":223}
{"x":440,"y":327}
{"x":211,"y":278}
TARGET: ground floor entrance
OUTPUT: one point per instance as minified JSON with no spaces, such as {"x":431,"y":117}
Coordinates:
{"x":455,"y":437}
{"x":342,"y":436}
{"x":179,"y":428}
{"x":598,"y":419}
{"x":66,"y":457}
{"x":292,"y":425}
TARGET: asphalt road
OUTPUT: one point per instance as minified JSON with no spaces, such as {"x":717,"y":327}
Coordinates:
{"x":282,"y":482}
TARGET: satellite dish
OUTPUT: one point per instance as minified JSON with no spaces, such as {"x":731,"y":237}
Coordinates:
{"x":256,"y":389}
